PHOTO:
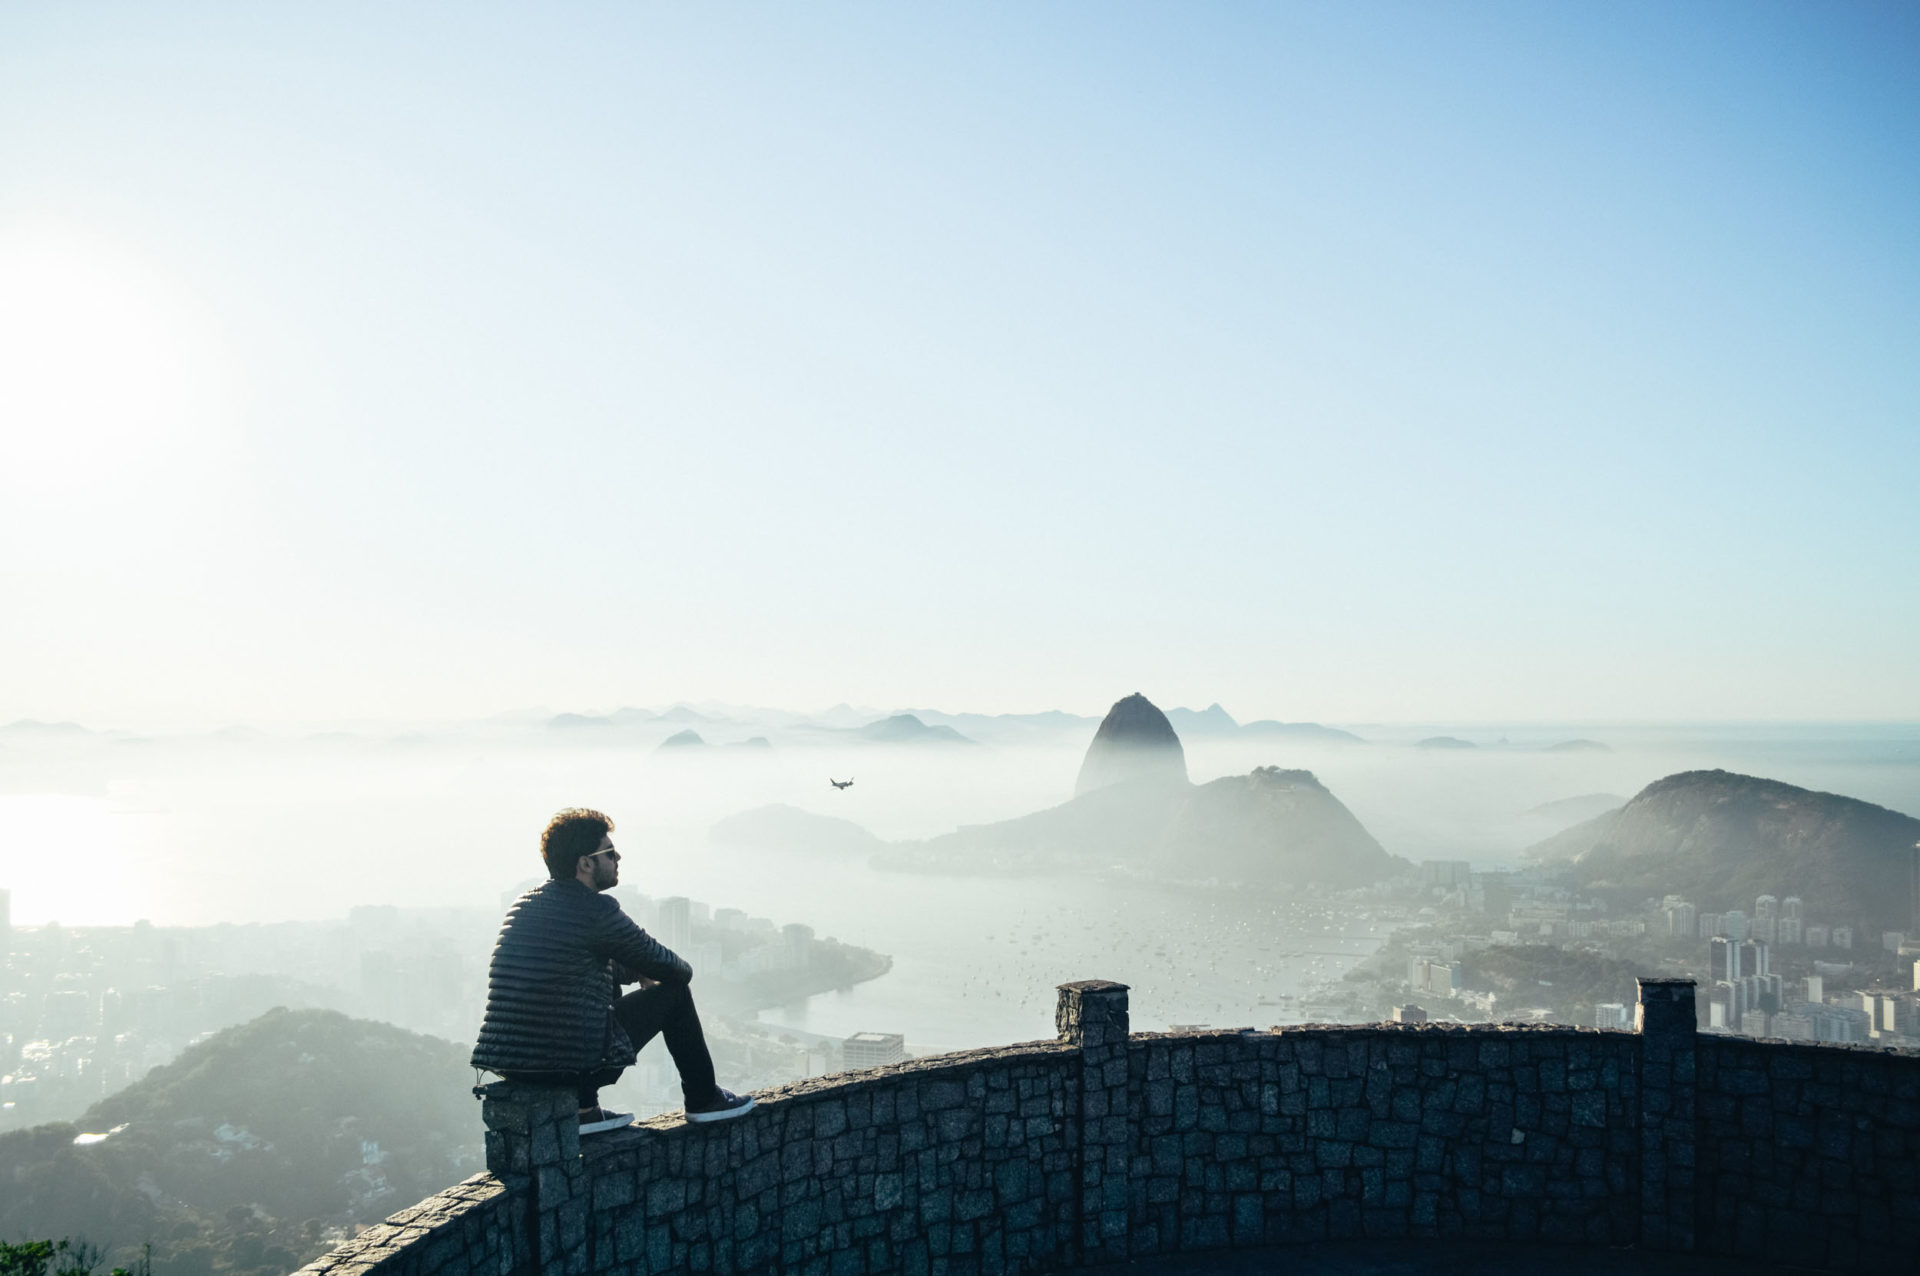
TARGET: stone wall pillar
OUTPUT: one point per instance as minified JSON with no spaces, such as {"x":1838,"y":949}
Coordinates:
{"x":1666,"y":1023}
{"x":533,"y":1148}
{"x":1092,"y":1015}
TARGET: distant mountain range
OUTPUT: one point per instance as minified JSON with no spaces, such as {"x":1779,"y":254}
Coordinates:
{"x":1722,"y":839}
{"x":1214,"y":721}
{"x":242,"y":1152}
{"x":905,"y":728}
{"x":29,"y":727}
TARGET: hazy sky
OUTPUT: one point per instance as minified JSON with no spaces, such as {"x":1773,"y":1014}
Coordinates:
{"x":1343,"y":361}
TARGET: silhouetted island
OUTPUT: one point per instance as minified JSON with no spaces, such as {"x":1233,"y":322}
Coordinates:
{"x":688,"y":739}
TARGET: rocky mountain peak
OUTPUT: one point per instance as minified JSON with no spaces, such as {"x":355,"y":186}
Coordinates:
{"x":1134,"y":745}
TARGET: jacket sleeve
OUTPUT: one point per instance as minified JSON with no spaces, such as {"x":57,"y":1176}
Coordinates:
{"x":637,"y":953}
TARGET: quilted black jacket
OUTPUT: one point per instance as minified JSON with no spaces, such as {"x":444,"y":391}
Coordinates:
{"x":557,"y":968}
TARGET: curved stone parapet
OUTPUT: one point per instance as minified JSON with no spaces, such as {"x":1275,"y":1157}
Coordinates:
{"x":1104,"y":1145}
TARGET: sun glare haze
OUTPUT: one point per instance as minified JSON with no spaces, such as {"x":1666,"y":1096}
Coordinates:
{"x":1381,"y":519}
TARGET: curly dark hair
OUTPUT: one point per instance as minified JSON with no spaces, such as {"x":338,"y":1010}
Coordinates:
{"x":570,"y":834}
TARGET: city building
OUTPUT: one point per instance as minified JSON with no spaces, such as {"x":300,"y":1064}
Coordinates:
{"x":1816,"y":936}
{"x":873,"y":1049}
{"x":1611,"y":1014}
{"x":1682,"y":918}
{"x":1409,"y":1014}
{"x":1842,"y":937}
{"x":1720,"y":1006}
{"x":1431,"y":972}
{"x":1811,"y":1021}
{"x":798,"y":938}
{"x":1733,"y":924}
{"x":1793,"y":920}
{"x":1446,"y":874}
{"x":1710,"y":925}
{"x":676,"y":923}
{"x":1723,"y":959}
{"x":1889,"y":1013}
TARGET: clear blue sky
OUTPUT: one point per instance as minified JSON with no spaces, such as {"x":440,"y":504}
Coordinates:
{"x":1333,"y":361}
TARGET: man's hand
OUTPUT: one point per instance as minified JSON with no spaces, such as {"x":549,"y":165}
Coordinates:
{"x":628,"y":975}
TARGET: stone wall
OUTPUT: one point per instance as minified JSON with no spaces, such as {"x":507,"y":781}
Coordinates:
{"x":1810,"y":1154}
{"x":1103,"y":1145}
{"x":471,"y":1228}
{"x":1517,"y":1133}
{"x":969,"y":1161}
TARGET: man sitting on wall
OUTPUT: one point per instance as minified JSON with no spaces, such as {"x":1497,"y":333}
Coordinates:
{"x":566,"y":947}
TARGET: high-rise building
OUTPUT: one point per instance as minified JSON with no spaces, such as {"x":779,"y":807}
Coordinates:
{"x":1817,"y":989}
{"x":1882,"y":1008}
{"x":1682,"y":917}
{"x":1710,"y":925}
{"x":1764,"y":929}
{"x":1842,"y":937}
{"x":798,"y":939}
{"x":1792,"y":907}
{"x":1754,"y":957}
{"x":1720,"y":1012}
{"x":676,"y":923}
{"x":1817,"y":936}
{"x":1766,"y":906}
{"x":1723,"y":959}
{"x":1610,"y":1014}
{"x":1409,"y":1013}
{"x":873,"y":1049}
{"x":1733,"y":924}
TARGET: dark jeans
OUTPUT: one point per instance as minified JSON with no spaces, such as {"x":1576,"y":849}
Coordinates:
{"x":664,"y":1010}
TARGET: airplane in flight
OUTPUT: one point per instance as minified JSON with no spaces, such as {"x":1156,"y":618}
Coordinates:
{"x":841,"y":784}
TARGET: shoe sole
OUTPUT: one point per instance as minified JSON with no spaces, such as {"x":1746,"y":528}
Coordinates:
{"x":601,"y":1127}
{"x":724,"y":1114}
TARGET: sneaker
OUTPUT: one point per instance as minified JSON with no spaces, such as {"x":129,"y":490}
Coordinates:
{"x":725,"y":1105}
{"x":599,"y":1120}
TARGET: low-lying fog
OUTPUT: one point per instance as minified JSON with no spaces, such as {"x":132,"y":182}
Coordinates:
{"x":101,"y":829}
